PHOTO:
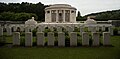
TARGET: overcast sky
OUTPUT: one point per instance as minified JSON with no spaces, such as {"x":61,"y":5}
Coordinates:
{"x":84,"y":6}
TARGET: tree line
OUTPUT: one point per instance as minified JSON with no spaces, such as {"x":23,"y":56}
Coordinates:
{"x":23,"y":11}
{"x":102,"y":16}
{"x":24,"y":8}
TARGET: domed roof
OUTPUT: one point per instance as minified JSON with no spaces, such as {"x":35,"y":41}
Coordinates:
{"x":31,"y":22}
{"x":60,"y":6}
{"x":90,"y":21}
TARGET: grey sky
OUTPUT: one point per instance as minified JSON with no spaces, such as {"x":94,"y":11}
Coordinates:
{"x":84,"y":6}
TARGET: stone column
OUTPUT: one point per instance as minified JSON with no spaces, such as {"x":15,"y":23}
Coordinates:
{"x":28,"y":39}
{"x":85,"y":39}
{"x":106,"y":38}
{"x":56,"y":15}
{"x":40,"y":38}
{"x":51,"y":39}
{"x":110,"y":30}
{"x":73,"y":39}
{"x":1,"y":31}
{"x":95,"y":38}
{"x":63,"y":15}
{"x":16,"y":38}
{"x":61,"y":39}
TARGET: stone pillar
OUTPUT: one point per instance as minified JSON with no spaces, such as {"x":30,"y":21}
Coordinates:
{"x":85,"y":39}
{"x":111,"y":30}
{"x":40,"y":39}
{"x":56,"y":15}
{"x":28,"y":39}
{"x":63,"y":15}
{"x":106,"y":38}
{"x":73,"y":39}
{"x":9,"y":31}
{"x":16,"y":38}
{"x":61,"y":39}
{"x":95,"y":38}
{"x":51,"y":39}
{"x":1,"y":31}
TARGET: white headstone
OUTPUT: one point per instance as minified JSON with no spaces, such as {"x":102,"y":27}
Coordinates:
{"x":95,"y":38}
{"x":28,"y":39}
{"x":61,"y":39}
{"x":16,"y":38}
{"x":40,"y":38}
{"x":85,"y":39}
{"x":73,"y":39}
{"x":51,"y":39}
{"x":106,"y":38}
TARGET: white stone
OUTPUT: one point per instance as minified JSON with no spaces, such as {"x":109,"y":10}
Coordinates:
{"x":16,"y":38}
{"x":85,"y":39}
{"x":95,"y":39}
{"x":61,"y":39}
{"x":73,"y":39}
{"x":106,"y":38}
{"x":51,"y":39}
{"x":40,"y":39}
{"x":28,"y":39}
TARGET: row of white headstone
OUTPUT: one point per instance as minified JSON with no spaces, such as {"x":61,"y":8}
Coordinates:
{"x":61,"y":39}
{"x":59,"y":29}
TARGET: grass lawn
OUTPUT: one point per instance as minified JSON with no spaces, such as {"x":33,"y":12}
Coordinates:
{"x":63,"y":52}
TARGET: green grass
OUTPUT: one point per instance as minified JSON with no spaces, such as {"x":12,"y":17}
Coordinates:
{"x":63,"y":52}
